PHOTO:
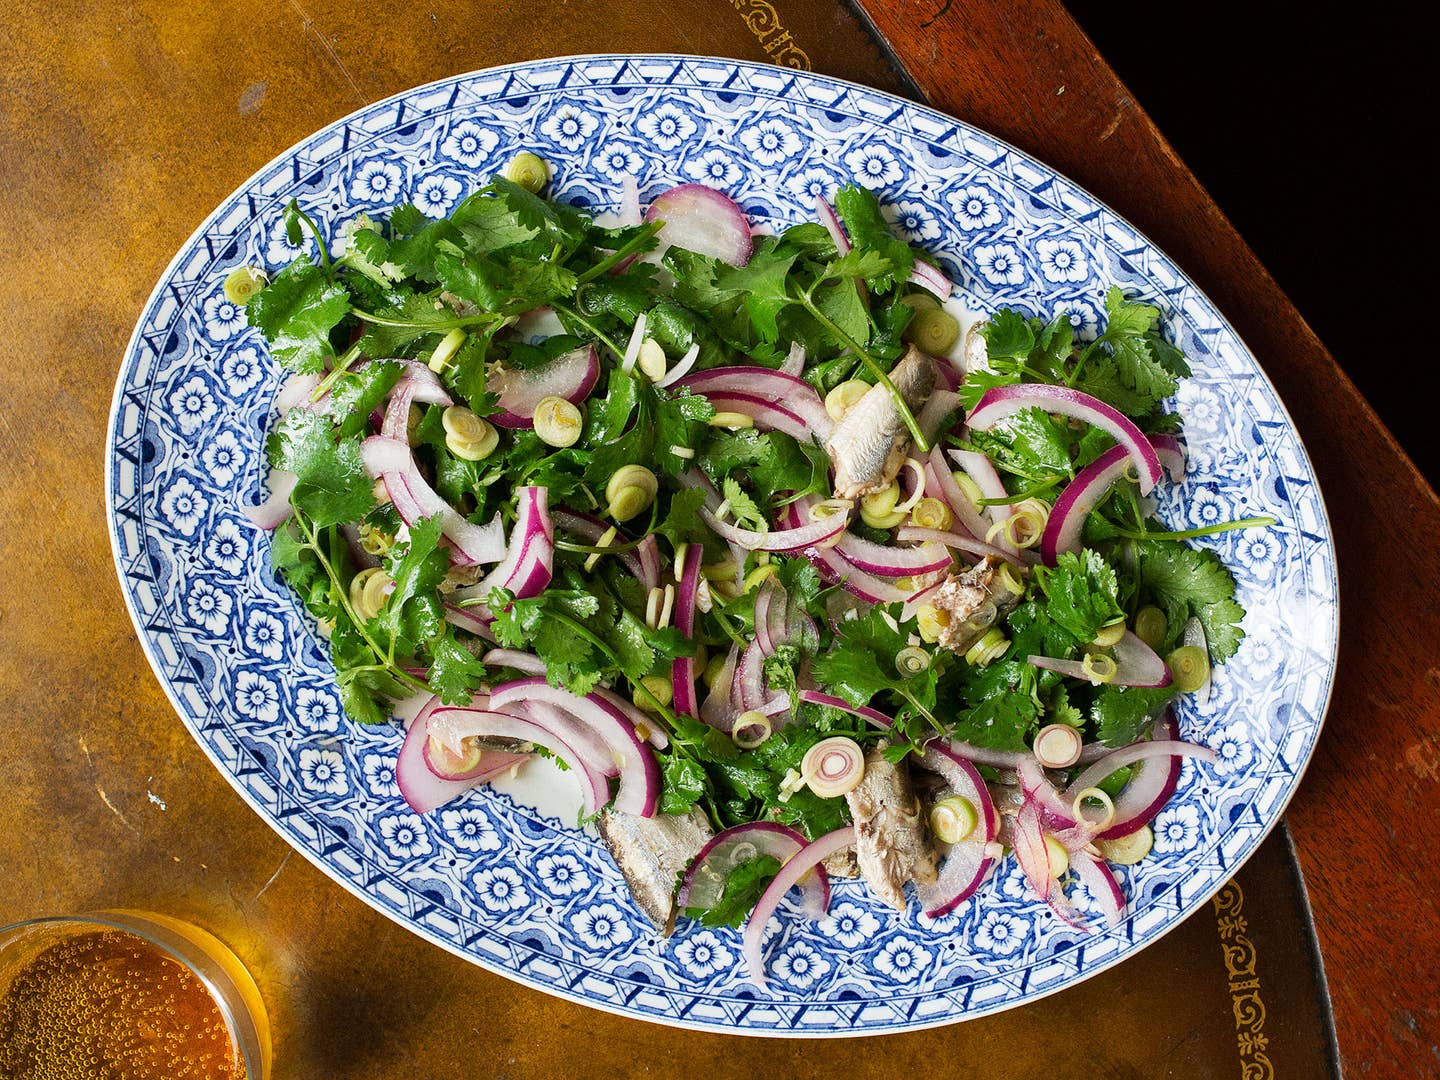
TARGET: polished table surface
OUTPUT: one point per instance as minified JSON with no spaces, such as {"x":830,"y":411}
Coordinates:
{"x":123,"y":123}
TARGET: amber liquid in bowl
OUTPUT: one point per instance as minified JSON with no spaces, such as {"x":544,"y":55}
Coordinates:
{"x":107,"y":1003}
{"x":126,"y":996}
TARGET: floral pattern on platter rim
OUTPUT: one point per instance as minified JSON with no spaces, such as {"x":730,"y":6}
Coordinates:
{"x":514,"y":888}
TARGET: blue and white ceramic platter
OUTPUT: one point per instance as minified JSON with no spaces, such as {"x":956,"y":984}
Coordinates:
{"x":501,"y":877}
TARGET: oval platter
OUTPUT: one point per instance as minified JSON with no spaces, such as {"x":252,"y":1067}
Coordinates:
{"x":516,"y":889}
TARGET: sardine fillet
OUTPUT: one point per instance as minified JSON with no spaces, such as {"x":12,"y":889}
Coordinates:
{"x":890,"y":842}
{"x":870,"y":442}
{"x":963,"y":594}
{"x":652,"y":853}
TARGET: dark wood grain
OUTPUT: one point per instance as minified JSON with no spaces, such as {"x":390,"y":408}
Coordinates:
{"x":1364,"y":816}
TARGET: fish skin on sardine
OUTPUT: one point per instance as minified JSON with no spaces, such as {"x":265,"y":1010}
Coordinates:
{"x":961,"y":595}
{"x":652,"y":853}
{"x":870,"y":442}
{"x":891,"y":844}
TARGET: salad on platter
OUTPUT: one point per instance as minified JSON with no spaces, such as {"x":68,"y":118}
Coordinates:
{"x":795,"y":566}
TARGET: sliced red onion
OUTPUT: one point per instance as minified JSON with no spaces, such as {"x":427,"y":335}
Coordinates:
{"x":1136,"y":664}
{"x":392,"y":461}
{"x":529,"y":560}
{"x":767,"y":415}
{"x":938,"y":474}
{"x":648,"y":552}
{"x":893,"y":562}
{"x":1089,"y":488}
{"x":770,"y":596}
{"x":968,"y":863}
{"x":783,"y":540}
{"x":427,"y":387}
{"x":590,"y":529}
{"x":790,"y":392}
{"x":476,"y":619}
{"x":396,"y":423}
{"x":706,"y":877}
{"x":1003,"y":401}
{"x":483,"y":767}
{"x":716,"y":710}
{"x":1100,"y":880}
{"x":984,"y":755}
{"x":638,"y":771}
{"x":1055,"y":812}
{"x":570,"y":729}
{"x":911,"y":608}
{"x":1028,"y":840}
{"x":871,"y":588}
{"x":977,"y":548}
{"x":538,"y":324}
{"x":642,"y":723}
{"x":1194,"y":636}
{"x":276,"y":509}
{"x":1171,"y":453}
{"x":1152,"y":783}
{"x":864,"y":712}
{"x":682,"y":366}
{"x":806,"y":859}
{"x":295,"y":391}
{"x":571,"y":376}
{"x":982,"y":470}
{"x":940,"y":404}
{"x":794,"y":360}
{"x":629,"y":214}
{"x":931,"y":278}
{"x":747,"y":692}
{"x":421,"y":788}
{"x":514,"y":658}
{"x":832,"y":224}
{"x":701,"y":219}
{"x":452,"y":725}
{"x":682,"y":669}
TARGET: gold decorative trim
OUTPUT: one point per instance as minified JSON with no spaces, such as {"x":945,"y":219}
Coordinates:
{"x":1245,"y":999}
{"x":764,"y":22}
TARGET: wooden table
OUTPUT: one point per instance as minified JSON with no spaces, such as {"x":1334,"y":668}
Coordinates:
{"x":122,"y":124}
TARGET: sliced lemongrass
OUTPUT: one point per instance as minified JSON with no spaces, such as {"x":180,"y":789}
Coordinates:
{"x":1057,"y":746}
{"x":953,"y":818}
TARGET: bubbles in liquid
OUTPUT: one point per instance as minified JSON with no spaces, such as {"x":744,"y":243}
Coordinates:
{"x":107,"y":1005}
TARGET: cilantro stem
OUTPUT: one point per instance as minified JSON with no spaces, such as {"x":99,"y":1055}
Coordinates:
{"x":914,"y":704}
{"x":342,"y":365}
{"x":591,"y":549}
{"x":411,"y":324}
{"x":1262,"y":522}
{"x":562,"y":309}
{"x":1028,"y":493}
{"x":922,"y":444}
{"x":309,"y":223}
{"x":605,"y":650}
{"x":402,"y":676}
{"x":620,"y":254}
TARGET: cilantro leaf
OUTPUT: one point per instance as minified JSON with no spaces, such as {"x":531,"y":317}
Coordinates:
{"x":296,"y":313}
{"x":684,"y":783}
{"x":682,"y":524}
{"x":861,"y":660}
{"x":679,"y":419}
{"x":1184,"y":582}
{"x":742,"y":892}
{"x":1081,"y":593}
{"x":412,"y":613}
{"x":1121,"y":713}
{"x":455,"y":674}
{"x":355,"y":395}
{"x":332,"y":485}
{"x":742,"y":506}
{"x":859,"y":209}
